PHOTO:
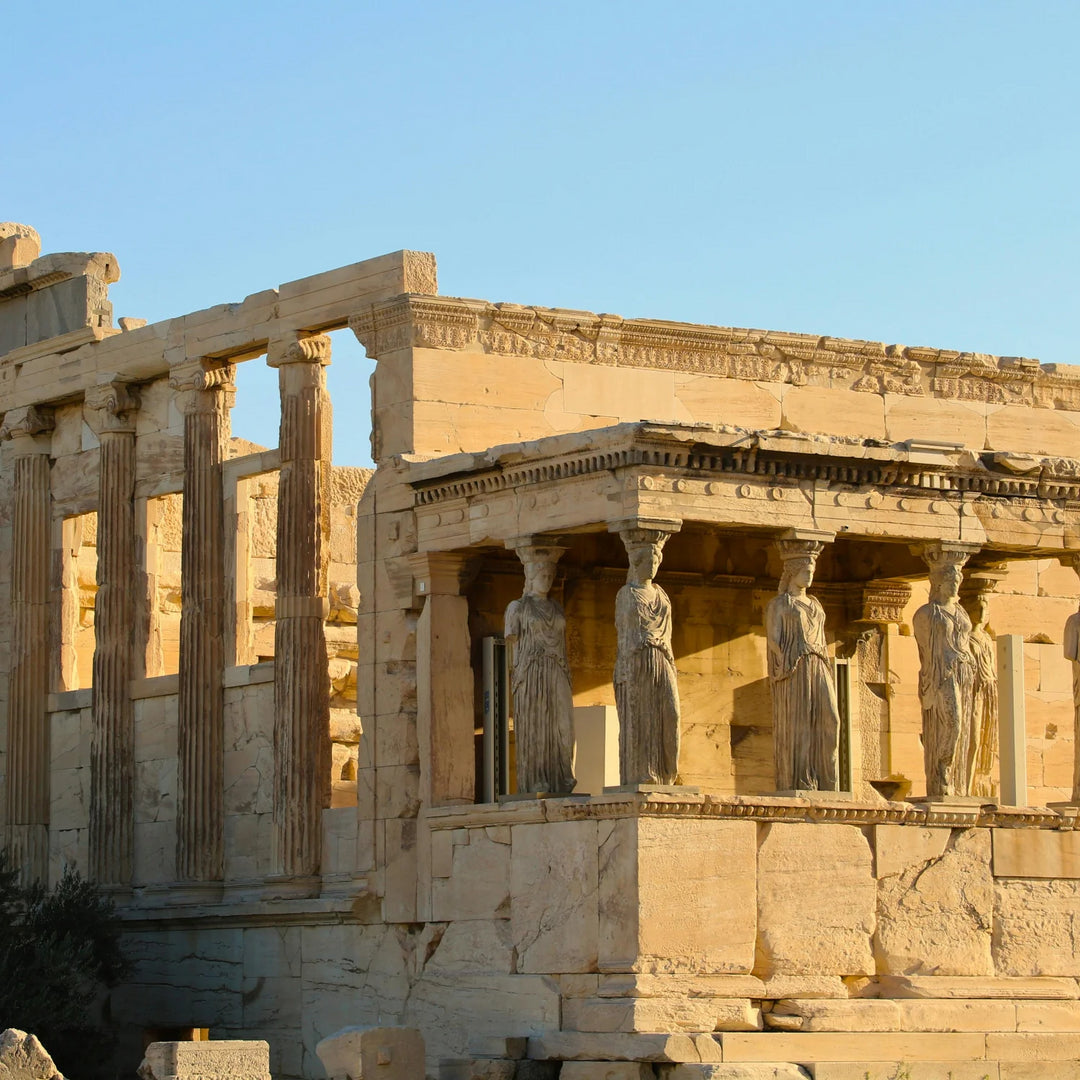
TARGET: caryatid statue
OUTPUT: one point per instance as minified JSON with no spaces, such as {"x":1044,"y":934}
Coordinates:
{"x":1072,"y":652}
{"x":946,"y":676}
{"x":646,"y":684}
{"x":540,"y":678}
{"x":806,"y":721}
{"x":984,"y":693}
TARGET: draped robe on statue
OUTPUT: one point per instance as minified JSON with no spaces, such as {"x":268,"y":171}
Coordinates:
{"x":946,"y":676}
{"x":543,"y":701}
{"x":984,"y":694}
{"x":1072,"y":652}
{"x":806,"y":722}
{"x":646,"y":687}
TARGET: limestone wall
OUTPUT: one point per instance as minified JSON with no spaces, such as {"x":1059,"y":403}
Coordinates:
{"x":589,"y":926}
{"x":465,"y":374}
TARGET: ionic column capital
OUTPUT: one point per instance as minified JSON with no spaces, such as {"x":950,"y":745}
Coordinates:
{"x":28,"y":429}
{"x":110,"y":408}
{"x":299,"y":350}
{"x":193,"y":376}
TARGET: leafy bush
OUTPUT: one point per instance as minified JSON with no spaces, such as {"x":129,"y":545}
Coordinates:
{"x":59,"y":951}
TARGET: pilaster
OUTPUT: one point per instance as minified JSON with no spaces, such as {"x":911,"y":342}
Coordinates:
{"x":28,"y":720}
{"x":301,"y":688}
{"x":445,"y":718}
{"x":110,"y":412}
{"x":208,"y":393}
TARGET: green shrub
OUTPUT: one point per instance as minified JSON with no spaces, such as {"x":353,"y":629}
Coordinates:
{"x":59,"y":952}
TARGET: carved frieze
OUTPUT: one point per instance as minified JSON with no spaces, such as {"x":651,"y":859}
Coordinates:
{"x":758,"y":355}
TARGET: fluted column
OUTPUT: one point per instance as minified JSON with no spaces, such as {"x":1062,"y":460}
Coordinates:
{"x":200,"y":786}
{"x":301,"y":688}
{"x":28,"y":718}
{"x":110,"y":412}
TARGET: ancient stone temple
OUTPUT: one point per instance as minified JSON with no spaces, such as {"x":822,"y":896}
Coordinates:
{"x":787,"y":622}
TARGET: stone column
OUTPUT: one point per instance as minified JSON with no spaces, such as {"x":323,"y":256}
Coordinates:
{"x":301,"y":687}
{"x":28,"y":718}
{"x":110,"y":412}
{"x":445,"y":717}
{"x":209,"y":394}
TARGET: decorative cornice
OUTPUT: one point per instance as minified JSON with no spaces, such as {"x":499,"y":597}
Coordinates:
{"x":1052,"y":479}
{"x":765,"y":808}
{"x":431,"y":322}
{"x":304,"y":350}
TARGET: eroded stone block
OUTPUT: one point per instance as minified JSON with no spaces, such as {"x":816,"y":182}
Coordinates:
{"x":1036,"y":927}
{"x":374,"y":1053}
{"x":935,"y":911}
{"x":22,"y":1057}
{"x":225,"y":1059}
{"x":553,"y":884}
{"x":816,"y":901}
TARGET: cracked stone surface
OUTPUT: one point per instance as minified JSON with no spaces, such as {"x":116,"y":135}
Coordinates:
{"x":935,"y":901}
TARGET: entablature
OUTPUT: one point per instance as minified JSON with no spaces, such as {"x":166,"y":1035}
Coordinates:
{"x":727,"y":477}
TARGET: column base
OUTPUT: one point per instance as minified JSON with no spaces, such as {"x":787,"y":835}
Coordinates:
{"x":653,"y":789}
{"x":288,"y":887}
{"x":952,"y":802}
{"x":196,"y":892}
{"x":526,"y":796}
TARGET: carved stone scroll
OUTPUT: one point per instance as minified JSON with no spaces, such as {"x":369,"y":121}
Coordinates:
{"x":200,"y":782}
{"x":806,"y":722}
{"x":543,"y":700}
{"x":646,"y":684}
{"x":946,"y":676}
{"x":110,"y":412}
{"x":301,"y":686}
{"x":28,"y":685}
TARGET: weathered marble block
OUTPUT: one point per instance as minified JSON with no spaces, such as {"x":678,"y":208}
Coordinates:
{"x":677,"y":895}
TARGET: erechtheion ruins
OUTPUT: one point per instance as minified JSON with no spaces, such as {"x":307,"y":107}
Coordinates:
{"x":667,"y":695}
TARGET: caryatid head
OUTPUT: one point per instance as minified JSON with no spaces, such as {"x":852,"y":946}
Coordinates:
{"x":540,"y":562}
{"x":644,"y":550}
{"x":946,"y":573}
{"x":800,"y":561}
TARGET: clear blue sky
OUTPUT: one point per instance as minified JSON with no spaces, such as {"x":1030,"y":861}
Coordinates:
{"x":904,"y":171}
